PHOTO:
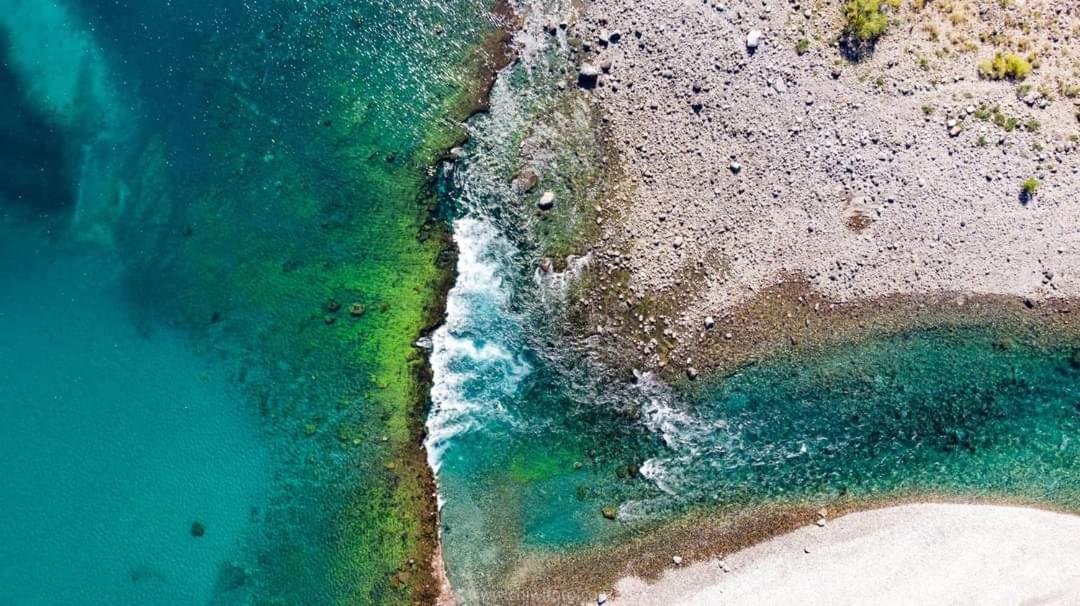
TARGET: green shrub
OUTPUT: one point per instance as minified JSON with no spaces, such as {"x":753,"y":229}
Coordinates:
{"x":865,"y":21}
{"x":1031,"y":185}
{"x":1010,"y":66}
{"x":802,"y":46}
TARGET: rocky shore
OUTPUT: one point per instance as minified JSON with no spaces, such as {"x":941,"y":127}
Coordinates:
{"x":769,"y":190}
{"x":782,"y":186}
{"x":767,"y":159}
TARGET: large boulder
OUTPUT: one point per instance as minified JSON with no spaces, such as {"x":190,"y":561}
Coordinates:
{"x":588,"y":75}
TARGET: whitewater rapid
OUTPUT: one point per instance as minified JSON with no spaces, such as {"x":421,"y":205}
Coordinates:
{"x":473,"y":360}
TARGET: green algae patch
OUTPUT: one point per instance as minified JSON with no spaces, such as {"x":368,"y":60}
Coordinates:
{"x":309,"y":257}
{"x":581,"y":174}
{"x":534,"y":465}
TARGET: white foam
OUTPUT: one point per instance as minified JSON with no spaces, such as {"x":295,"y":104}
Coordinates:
{"x":472,"y":371}
{"x":556,"y":282}
{"x":654,"y":470}
{"x":687,"y":436}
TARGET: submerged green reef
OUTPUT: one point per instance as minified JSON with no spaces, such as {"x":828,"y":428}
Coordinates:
{"x":262,"y":175}
{"x":310,"y":245}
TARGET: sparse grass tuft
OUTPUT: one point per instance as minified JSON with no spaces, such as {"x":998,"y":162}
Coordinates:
{"x":1009,"y":123}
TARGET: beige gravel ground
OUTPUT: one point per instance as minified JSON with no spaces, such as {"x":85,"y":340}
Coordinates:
{"x":912,"y":554}
{"x":896,"y":175}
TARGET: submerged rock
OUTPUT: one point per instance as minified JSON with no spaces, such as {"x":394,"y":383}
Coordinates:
{"x":197,"y":529}
{"x":609,"y":512}
{"x":230,"y":578}
{"x":141,"y":574}
{"x":526,"y":181}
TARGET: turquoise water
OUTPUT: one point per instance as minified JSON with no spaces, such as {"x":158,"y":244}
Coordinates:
{"x":194,"y":198}
{"x":118,"y":437}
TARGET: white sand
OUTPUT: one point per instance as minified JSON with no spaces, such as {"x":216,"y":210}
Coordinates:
{"x":914,"y":554}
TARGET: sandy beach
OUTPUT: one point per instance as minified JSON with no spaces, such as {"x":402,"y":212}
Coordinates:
{"x":911,"y":554}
